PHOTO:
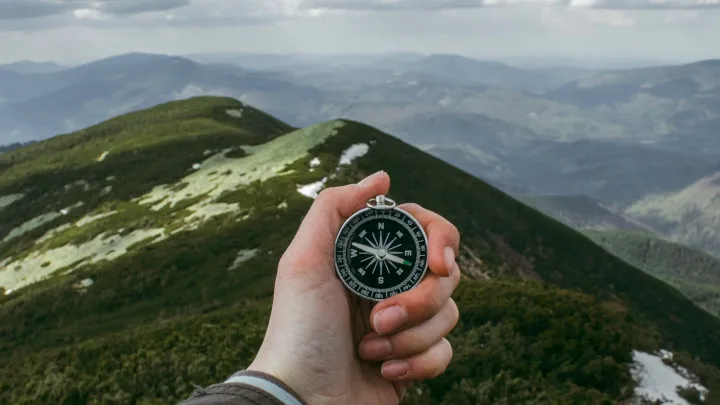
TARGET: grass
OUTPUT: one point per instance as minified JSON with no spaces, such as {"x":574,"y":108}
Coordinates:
{"x":696,"y":274}
{"x":171,"y":314}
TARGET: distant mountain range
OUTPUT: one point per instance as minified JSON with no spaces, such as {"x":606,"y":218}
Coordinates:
{"x":617,"y":136}
{"x":32,"y":67}
{"x":138,"y":255}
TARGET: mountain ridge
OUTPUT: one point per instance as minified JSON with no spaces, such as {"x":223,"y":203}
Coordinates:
{"x":223,"y":219}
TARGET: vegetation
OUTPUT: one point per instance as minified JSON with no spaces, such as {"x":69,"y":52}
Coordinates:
{"x":172,"y":314}
{"x":696,"y":274}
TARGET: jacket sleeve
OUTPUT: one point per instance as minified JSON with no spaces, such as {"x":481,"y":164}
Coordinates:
{"x":246,"y":388}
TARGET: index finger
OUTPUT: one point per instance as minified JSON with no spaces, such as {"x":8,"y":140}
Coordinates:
{"x":444,"y":239}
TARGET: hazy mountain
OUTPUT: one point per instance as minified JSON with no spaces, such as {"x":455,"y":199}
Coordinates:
{"x":463,"y":70}
{"x":691,"y":271}
{"x":667,"y":103}
{"x":93,"y":92}
{"x":27,"y":66}
{"x":126,"y":245}
{"x":616,"y":136}
{"x":581,"y":212}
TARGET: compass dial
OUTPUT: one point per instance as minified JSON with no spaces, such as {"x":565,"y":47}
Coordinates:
{"x":380,"y":253}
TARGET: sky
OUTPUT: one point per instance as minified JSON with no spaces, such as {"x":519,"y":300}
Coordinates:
{"x":76,"y":31}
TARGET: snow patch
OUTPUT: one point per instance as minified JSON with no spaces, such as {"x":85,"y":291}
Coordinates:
{"x":315,"y":163}
{"x":235,"y":113}
{"x":103,"y":156}
{"x":83,"y":285}
{"x":243,"y":256}
{"x":30,"y":225}
{"x":312,"y":190}
{"x":202,"y":213}
{"x":353,"y":152}
{"x":262,"y":162}
{"x":92,"y":218}
{"x":52,"y":233}
{"x":6,"y":200}
{"x":283,"y":205}
{"x":8,"y":292}
{"x":29,"y":270}
{"x":658,"y":381}
{"x":196,"y":166}
{"x":80,"y":183}
{"x":106,"y":190}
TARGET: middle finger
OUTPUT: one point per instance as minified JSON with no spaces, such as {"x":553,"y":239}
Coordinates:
{"x":415,"y":306}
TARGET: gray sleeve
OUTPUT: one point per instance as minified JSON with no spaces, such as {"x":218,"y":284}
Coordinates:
{"x":246,"y":388}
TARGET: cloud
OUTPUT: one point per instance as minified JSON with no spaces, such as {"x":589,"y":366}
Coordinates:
{"x":380,"y":5}
{"x":21,"y":9}
{"x":30,"y":9}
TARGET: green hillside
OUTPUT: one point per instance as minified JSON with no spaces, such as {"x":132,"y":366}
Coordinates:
{"x":169,"y":261}
{"x":694,"y":273}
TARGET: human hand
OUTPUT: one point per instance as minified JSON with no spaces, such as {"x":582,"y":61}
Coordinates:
{"x":333,"y":348}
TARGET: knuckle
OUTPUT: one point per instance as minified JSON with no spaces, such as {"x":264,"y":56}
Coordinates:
{"x":327,"y":194}
{"x":432,"y":303}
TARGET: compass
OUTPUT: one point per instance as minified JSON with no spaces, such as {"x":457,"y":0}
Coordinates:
{"x":381,"y":251}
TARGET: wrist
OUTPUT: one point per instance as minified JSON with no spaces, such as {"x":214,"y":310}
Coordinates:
{"x":268,"y":383}
{"x":281,"y":376}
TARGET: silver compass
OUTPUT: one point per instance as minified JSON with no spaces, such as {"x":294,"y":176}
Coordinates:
{"x":381,"y":251}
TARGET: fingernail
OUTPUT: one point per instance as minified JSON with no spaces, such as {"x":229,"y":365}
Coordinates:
{"x":369,"y":179}
{"x":377,"y":348}
{"x":389,"y":319}
{"x":449,"y":260}
{"x":395,"y":369}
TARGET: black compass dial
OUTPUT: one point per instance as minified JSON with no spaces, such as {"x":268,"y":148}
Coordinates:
{"x":380,"y":253}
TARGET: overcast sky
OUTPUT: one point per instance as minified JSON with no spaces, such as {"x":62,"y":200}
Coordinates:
{"x":72,"y":31}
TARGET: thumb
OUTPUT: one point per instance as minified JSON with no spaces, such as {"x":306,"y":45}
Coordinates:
{"x":313,"y":247}
{"x":335,"y":204}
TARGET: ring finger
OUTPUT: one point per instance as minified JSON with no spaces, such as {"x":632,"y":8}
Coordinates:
{"x":411,"y":341}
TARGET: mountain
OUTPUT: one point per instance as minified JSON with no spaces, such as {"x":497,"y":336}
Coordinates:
{"x":127,"y":244}
{"x":575,"y":138}
{"x":694,"y":273}
{"x":463,"y":70}
{"x":448,"y":68}
{"x":689,"y":216}
{"x":581,"y":212}
{"x":27,"y":66}
{"x":88,"y":94}
{"x":670,"y":103}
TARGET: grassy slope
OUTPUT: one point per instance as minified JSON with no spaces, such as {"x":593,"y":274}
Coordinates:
{"x":157,"y":319}
{"x":687,"y":216}
{"x":693,"y":272}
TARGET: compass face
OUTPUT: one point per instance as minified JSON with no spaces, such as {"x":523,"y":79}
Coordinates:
{"x":380,"y":253}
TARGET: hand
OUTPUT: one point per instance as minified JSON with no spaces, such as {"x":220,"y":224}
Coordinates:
{"x":333,"y":348}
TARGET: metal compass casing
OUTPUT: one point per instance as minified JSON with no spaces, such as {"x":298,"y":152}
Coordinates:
{"x":381,"y":251}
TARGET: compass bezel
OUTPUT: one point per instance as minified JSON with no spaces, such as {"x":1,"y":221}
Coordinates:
{"x":410,"y":282}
